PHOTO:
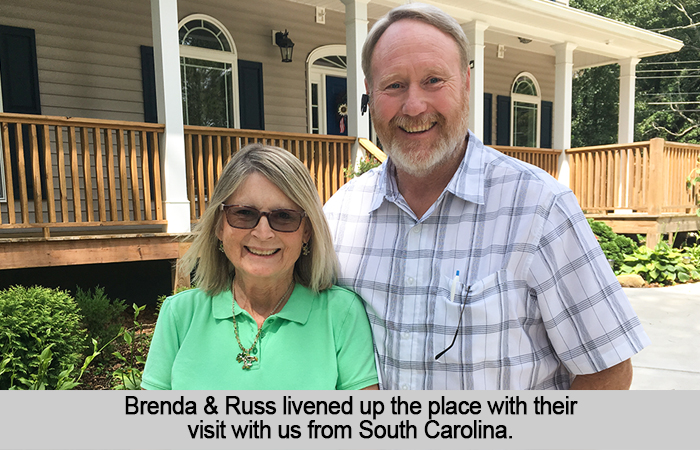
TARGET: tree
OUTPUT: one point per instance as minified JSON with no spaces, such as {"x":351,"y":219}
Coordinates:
{"x":595,"y":106}
{"x":668,"y":86}
{"x":668,"y":89}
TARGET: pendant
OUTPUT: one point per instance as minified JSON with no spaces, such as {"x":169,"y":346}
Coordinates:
{"x":246,"y":359}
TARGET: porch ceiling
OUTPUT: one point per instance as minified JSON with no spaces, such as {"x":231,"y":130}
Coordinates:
{"x":599,"y":40}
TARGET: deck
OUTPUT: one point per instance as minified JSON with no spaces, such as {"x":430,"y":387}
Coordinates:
{"x":638,"y":188}
{"x":86,"y":191}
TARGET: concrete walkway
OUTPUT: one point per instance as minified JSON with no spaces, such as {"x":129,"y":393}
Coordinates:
{"x":671,"y":318}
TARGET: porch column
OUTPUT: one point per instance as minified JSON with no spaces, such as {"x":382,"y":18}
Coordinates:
{"x":563,"y":98}
{"x":355,"y":35}
{"x":166,"y":54}
{"x":475,"y":34}
{"x":625,"y":127}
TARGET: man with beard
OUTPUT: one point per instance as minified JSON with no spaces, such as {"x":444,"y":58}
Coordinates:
{"x":478,"y":271}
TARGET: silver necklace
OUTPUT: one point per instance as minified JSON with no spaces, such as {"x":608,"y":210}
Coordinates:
{"x":244,"y":356}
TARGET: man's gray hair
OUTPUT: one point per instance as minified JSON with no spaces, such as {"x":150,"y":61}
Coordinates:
{"x":421,"y":12}
{"x":214,"y":272}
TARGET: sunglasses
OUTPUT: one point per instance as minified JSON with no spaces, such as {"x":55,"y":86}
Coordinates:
{"x":247,"y":217}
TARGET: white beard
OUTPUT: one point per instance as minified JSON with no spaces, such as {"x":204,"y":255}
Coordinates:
{"x":420,"y":162}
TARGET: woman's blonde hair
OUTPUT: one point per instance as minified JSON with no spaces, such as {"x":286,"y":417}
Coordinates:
{"x":213,"y":271}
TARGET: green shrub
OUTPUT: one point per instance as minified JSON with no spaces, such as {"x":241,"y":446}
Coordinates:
{"x":615,"y":246}
{"x":130,"y":369}
{"x":101,"y":316}
{"x":663,"y":265}
{"x":693,"y":254}
{"x":32,"y":320}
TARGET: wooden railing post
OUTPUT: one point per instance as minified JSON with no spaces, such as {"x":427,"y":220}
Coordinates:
{"x":657,"y":177}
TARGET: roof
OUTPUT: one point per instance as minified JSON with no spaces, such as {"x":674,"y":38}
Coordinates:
{"x":598,"y":40}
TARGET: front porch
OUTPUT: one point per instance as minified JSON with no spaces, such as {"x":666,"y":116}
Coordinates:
{"x":86,"y":191}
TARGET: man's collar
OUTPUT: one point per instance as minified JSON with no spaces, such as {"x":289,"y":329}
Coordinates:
{"x":467,"y":183}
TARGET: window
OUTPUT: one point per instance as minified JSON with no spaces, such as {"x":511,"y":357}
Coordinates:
{"x":525,"y":111}
{"x":209,"y":72}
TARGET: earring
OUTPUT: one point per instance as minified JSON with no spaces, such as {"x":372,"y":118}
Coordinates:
{"x":305,"y":249}
{"x":221,"y":246}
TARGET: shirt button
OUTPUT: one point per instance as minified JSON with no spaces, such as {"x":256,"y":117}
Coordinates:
{"x":405,"y":335}
{"x":416,"y":229}
{"x":409,"y":281}
{"x":404,"y":387}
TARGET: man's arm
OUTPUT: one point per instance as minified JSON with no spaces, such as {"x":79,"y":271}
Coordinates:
{"x":615,"y":377}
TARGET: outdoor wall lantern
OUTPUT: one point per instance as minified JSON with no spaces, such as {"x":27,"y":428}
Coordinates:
{"x":285,"y":44}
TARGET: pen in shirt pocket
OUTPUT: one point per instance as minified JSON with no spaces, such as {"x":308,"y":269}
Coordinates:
{"x":455,"y":282}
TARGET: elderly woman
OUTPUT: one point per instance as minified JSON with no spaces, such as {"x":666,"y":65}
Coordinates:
{"x":265,"y":314}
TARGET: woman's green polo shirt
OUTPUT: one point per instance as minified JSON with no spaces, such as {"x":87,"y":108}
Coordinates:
{"x":317,"y":341}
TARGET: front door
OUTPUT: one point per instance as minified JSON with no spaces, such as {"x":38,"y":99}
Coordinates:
{"x":336,"y":105}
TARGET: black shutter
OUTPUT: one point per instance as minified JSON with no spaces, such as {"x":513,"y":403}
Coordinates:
{"x":148,"y":81}
{"x":250,"y":89}
{"x":546,"y":125}
{"x":20,"y":77}
{"x":488,"y":106}
{"x":20,"y":94}
{"x":502,"y":120}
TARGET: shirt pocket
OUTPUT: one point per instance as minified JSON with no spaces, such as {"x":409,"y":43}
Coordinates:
{"x":477,"y":317}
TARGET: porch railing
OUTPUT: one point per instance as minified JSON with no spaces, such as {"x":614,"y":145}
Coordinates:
{"x":69,"y":172}
{"x":209,"y":149}
{"x":65,"y":173}
{"x":373,"y":150}
{"x":545,"y":159}
{"x":642,"y":177}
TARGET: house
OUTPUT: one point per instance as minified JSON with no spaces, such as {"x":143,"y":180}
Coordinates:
{"x":118,"y":115}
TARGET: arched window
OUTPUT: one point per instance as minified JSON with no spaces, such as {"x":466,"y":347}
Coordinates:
{"x":525,"y":110}
{"x":209,"y":71}
{"x":327,"y":90}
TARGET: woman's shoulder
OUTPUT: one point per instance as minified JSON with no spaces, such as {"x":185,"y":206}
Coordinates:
{"x":188,"y":295}
{"x":339,"y":299}
{"x":338,"y":293}
{"x":187,"y":300}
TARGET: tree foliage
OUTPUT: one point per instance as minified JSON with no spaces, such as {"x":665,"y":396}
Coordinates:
{"x":667,"y":85}
{"x":595,"y":106}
